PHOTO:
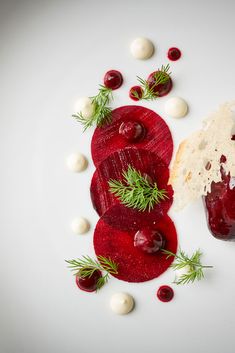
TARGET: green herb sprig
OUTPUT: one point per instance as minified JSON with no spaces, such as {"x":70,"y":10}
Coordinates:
{"x":148,"y":92}
{"x":136,"y":191}
{"x":194,"y":263}
{"x":102,"y":113}
{"x":86,"y":266}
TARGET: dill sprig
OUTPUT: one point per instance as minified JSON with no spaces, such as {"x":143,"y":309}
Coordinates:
{"x":136,"y":191}
{"x":102,"y":113}
{"x":86,"y":266}
{"x":161,"y":76}
{"x":193,"y":262}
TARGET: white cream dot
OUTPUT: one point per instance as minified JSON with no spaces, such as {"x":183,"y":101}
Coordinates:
{"x":182,"y":271}
{"x":142,"y":48}
{"x":176,"y":107}
{"x":77,"y":162}
{"x":84,"y":106}
{"x":80,"y":225}
{"x":122,"y":303}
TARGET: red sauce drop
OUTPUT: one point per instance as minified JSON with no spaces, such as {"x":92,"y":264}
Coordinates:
{"x":165,"y":294}
{"x":161,"y":89}
{"x":136,"y":93}
{"x":173,"y":54}
{"x":88,"y":284}
{"x":113,"y":79}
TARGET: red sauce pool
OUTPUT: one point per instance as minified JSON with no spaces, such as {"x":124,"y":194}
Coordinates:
{"x":165,"y":294}
{"x":173,"y":54}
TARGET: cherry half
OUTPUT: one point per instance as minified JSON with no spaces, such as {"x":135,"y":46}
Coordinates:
{"x":88,"y":284}
{"x":165,"y":293}
{"x":131,"y":130}
{"x":136,"y":93}
{"x":149,"y":240}
{"x":161,"y":89}
{"x":113,"y":79}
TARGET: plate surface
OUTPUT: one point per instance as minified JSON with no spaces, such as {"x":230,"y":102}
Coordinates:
{"x":52,"y":53}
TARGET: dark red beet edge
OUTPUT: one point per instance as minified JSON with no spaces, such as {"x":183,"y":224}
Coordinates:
{"x":111,"y":168}
{"x":158,"y":138}
{"x":134,"y":265}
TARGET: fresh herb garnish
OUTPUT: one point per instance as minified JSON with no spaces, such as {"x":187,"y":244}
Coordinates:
{"x":86,"y":266}
{"x":161,"y":76}
{"x":102,"y":113}
{"x":136,"y":191}
{"x":193,"y":262}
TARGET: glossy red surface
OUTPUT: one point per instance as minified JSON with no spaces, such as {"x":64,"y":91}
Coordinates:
{"x":165,"y":293}
{"x":113,"y":79}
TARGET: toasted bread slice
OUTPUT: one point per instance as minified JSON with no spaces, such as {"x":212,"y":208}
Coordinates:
{"x":198,"y":160}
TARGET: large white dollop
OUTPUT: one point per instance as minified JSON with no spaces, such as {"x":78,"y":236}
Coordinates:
{"x":176,"y":107}
{"x":84,"y":106}
{"x":77,"y":162}
{"x":80,"y":225}
{"x":121,"y":303}
{"x":142,"y":48}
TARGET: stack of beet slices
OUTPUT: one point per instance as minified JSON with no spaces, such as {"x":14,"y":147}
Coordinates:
{"x":139,"y":138}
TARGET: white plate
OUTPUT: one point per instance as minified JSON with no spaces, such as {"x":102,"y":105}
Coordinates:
{"x":51,"y":53}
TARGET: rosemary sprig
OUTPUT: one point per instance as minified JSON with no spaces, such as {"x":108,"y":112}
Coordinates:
{"x":136,"y":191}
{"x":102,"y":113}
{"x":86,"y":266}
{"x":161,"y":76}
{"x":193,"y":262}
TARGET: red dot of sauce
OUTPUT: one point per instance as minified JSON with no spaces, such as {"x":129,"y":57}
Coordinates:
{"x":173,"y":54}
{"x":113,"y":79}
{"x":136,"y":93}
{"x":165,"y":294}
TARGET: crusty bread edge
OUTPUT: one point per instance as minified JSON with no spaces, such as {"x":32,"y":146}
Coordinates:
{"x":176,"y":165}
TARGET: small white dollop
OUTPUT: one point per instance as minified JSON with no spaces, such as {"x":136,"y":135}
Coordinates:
{"x":84,"y":106}
{"x":77,"y":162}
{"x":122,"y":303}
{"x":176,"y":107}
{"x":80,"y":225}
{"x":182,"y":271}
{"x":142,"y":48}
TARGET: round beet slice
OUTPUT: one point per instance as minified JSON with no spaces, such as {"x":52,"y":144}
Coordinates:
{"x":135,"y":265}
{"x":112,"y":168}
{"x":156,"y":136}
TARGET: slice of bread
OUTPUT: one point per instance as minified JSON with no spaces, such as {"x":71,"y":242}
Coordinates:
{"x":198,"y":159}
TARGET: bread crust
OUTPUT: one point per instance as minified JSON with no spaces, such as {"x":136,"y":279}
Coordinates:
{"x":177,"y":161}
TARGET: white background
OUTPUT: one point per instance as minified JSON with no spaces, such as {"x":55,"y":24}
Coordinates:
{"x":51,"y":53}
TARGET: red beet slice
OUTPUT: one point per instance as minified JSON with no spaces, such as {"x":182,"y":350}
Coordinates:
{"x":107,"y":139}
{"x":134,"y":265}
{"x":111,"y":168}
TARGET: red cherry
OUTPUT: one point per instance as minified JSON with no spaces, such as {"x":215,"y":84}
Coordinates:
{"x":88,"y":284}
{"x":113,"y":79}
{"x":136,"y":93}
{"x":149,"y":240}
{"x":161,"y":89}
{"x":131,"y":130}
{"x":173,"y":54}
{"x":165,"y":293}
